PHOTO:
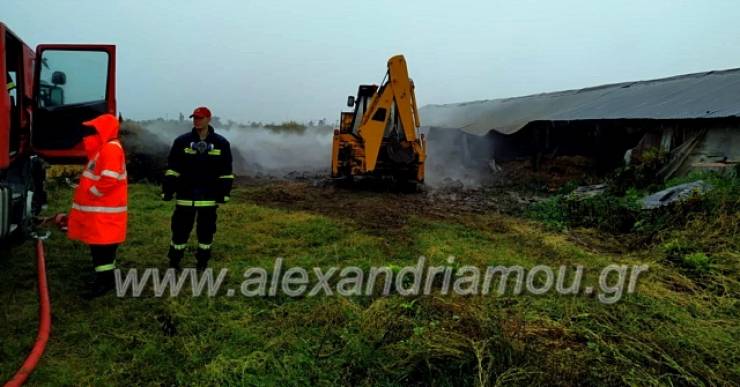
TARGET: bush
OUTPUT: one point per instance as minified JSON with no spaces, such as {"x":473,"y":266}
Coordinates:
{"x":604,"y":211}
{"x":716,"y":211}
{"x":643,"y":175}
{"x":697,"y":261}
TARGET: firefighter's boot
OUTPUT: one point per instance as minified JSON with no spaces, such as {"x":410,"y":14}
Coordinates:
{"x":175,"y":255}
{"x":103,"y":283}
{"x":202,"y":255}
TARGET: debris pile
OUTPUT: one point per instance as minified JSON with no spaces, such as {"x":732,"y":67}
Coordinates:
{"x":675,"y":194}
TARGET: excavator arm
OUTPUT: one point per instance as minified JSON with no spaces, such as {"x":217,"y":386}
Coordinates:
{"x":395,"y":95}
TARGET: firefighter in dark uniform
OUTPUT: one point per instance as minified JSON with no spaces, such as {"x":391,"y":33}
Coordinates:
{"x":199,"y":176}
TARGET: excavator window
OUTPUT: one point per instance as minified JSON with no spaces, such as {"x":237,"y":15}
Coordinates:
{"x":345,"y":124}
{"x":379,"y":115}
{"x":362,"y":103}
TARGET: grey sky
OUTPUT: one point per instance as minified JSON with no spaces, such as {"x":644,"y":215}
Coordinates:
{"x":281,"y":60}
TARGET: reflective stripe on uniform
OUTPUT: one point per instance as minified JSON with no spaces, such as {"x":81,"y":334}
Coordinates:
{"x":108,"y":267}
{"x":226,"y":177}
{"x":107,"y":173}
{"x":90,"y":175}
{"x":214,"y":152}
{"x":94,"y":191}
{"x":178,"y":246}
{"x":113,"y":174}
{"x":107,"y":210}
{"x":196,"y":203}
{"x":190,"y":151}
{"x":172,"y":172}
{"x":204,"y":246}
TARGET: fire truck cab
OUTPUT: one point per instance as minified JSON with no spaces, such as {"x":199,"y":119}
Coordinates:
{"x":46,"y":95}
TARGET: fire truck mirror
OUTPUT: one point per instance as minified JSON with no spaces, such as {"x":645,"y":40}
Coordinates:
{"x":58,"y":78}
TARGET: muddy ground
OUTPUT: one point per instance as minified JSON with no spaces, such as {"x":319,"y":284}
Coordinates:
{"x":381,"y":206}
{"x":383,"y":210}
{"x":511,"y":190}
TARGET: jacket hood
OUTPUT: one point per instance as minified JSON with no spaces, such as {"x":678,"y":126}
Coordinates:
{"x":106,"y":125}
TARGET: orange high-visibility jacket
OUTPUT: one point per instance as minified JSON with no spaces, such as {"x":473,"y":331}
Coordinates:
{"x":99,"y":208}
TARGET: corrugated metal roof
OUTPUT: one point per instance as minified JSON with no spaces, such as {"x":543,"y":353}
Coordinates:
{"x":713,"y":94}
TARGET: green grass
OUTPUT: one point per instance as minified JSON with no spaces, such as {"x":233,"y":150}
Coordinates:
{"x":680,"y":327}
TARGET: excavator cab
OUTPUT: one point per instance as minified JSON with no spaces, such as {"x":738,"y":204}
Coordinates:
{"x":361,"y":103}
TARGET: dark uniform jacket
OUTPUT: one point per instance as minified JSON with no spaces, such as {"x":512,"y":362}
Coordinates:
{"x":199,"y":173}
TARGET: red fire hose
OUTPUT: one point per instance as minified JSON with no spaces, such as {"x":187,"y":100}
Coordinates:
{"x":44,"y":322}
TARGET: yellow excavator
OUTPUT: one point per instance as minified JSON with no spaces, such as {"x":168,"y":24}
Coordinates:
{"x":380,"y":137}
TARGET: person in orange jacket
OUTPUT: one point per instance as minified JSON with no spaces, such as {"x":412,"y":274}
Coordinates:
{"x":99,"y":208}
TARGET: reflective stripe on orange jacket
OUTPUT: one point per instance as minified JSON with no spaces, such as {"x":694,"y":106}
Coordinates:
{"x":99,"y":208}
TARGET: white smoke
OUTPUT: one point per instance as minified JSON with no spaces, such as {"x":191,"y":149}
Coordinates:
{"x":454,"y":158}
{"x":263,"y":151}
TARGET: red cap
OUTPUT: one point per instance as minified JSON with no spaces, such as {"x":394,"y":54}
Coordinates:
{"x":201,"y":111}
